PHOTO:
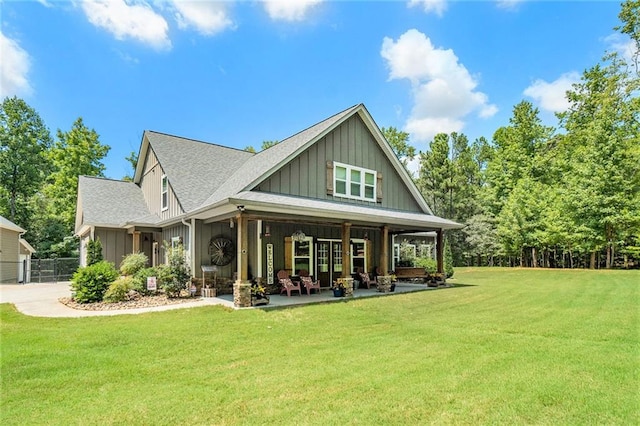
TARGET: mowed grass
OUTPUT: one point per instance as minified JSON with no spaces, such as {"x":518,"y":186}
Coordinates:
{"x":507,"y":346}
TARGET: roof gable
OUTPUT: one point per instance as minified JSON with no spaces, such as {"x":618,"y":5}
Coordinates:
{"x":266,"y":163}
{"x":110,"y":203}
{"x":194,"y":169}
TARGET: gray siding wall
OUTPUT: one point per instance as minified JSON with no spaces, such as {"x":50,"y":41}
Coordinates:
{"x":204,"y":233}
{"x":351,"y":143}
{"x":116,"y":243}
{"x":9,"y":250}
{"x":151,"y":184}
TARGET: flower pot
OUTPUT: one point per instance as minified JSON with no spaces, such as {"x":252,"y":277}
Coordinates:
{"x":338,"y":292}
{"x":393,"y":287}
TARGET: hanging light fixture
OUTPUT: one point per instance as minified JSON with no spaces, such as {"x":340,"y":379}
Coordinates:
{"x":231,"y":223}
{"x":298,"y":236}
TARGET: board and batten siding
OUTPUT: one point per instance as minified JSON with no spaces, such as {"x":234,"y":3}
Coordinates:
{"x":350,"y":143}
{"x":9,"y":255}
{"x":151,"y":184}
{"x":116,"y":244}
{"x":204,"y":233}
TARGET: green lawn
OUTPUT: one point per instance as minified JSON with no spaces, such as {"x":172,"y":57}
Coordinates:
{"x":503,"y":346}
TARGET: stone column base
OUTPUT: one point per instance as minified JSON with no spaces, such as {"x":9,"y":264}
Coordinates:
{"x":384,"y":283}
{"x":242,"y":294}
{"x":348,"y":286}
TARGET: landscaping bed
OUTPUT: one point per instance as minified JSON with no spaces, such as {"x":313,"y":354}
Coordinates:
{"x":138,"y":302}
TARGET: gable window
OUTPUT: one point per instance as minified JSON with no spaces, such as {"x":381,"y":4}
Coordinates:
{"x":354,"y":182}
{"x":165,"y":193}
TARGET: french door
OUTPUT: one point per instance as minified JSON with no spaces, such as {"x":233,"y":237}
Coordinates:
{"x":329,"y":261}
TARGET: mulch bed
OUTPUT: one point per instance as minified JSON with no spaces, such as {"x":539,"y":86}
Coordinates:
{"x":140,"y":302}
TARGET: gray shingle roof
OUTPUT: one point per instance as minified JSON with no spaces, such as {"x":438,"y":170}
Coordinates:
{"x":272,"y":158}
{"x":107,"y":202}
{"x":195,"y":169}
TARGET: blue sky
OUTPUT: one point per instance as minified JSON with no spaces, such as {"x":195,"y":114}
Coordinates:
{"x":239,"y":73}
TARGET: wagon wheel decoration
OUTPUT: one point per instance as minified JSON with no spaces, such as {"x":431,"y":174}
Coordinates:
{"x":221,"y":250}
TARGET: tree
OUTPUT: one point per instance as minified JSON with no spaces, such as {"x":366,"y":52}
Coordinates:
{"x":265,"y":145}
{"x":24,"y":140}
{"x":515,"y":148}
{"x":76,"y":152}
{"x":603,"y":140}
{"x":630,"y":18}
{"x":132,"y":159}
{"x":399,"y":142}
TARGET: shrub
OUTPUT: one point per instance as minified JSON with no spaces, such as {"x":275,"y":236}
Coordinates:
{"x":133,"y":263}
{"x":91,"y":282}
{"x":119,"y":289}
{"x":140,"y":280}
{"x":430,"y":265}
{"x":173,"y":276}
{"x":94,"y":252}
{"x":448,"y":261}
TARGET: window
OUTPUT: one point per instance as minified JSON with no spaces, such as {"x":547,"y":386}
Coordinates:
{"x":165,"y":193}
{"x":358,"y":256}
{"x":354,"y":182}
{"x":302,"y":255}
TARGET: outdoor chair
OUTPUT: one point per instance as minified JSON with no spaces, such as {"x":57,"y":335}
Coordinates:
{"x":308,"y":282}
{"x":366,"y":280}
{"x":287,"y":284}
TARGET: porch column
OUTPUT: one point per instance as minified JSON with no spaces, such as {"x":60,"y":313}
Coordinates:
{"x":440,"y":251}
{"x":242,"y":287}
{"x":384,"y":253}
{"x":136,"y":241}
{"x":346,"y":250}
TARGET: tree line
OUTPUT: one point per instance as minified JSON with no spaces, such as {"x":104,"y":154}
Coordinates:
{"x":564,"y":196}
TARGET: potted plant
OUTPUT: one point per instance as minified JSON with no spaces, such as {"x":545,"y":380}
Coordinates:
{"x":338,"y":289}
{"x":259,"y":295}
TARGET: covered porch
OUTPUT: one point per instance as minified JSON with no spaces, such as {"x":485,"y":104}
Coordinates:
{"x":272,"y":232}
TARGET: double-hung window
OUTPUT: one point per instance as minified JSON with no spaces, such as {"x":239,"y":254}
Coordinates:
{"x":164,"y":196}
{"x":354,"y":182}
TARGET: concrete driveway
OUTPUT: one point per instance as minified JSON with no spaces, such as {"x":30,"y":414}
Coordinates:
{"x":41,"y":300}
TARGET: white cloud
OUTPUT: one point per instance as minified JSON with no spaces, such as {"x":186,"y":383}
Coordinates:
{"x":443,"y":90}
{"x":552,"y":96}
{"x":14,"y":68}
{"x":124,"y":20}
{"x":436,"y":6}
{"x":623,"y":45}
{"x":206,"y":17}
{"x":289,"y":10}
{"x":508,"y":4}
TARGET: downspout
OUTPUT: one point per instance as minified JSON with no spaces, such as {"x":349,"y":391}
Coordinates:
{"x":192,"y":244}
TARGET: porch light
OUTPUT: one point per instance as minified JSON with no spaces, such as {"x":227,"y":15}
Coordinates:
{"x":231,"y":223}
{"x":298,"y":236}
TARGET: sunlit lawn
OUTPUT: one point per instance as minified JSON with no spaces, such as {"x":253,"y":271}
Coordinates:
{"x":503,"y":346}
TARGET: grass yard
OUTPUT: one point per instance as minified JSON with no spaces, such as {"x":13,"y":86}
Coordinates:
{"x":504,"y":346}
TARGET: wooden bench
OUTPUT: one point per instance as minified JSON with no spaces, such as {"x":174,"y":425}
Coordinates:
{"x":407,"y":272}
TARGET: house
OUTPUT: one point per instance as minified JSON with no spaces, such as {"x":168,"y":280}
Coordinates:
{"x":15,"y":253}
{"x":328,"y":199}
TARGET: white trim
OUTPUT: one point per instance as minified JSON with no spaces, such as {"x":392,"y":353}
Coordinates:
{"x":259,"y":247}
{"x":164,"y":179}
{"x":348,"y":182}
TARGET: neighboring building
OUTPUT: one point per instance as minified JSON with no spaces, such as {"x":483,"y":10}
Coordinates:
{"x":15,"y":253}
{"x":328,"y":199}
